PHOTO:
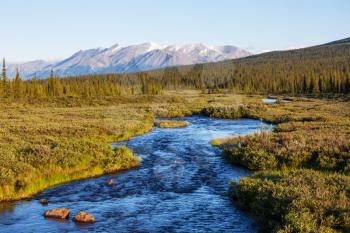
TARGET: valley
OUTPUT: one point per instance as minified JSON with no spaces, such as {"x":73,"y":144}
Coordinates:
{"x":60,"y":144}
{"x":178,"y":138}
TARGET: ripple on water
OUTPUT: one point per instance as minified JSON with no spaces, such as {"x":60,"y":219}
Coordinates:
{"x":180,"y":187}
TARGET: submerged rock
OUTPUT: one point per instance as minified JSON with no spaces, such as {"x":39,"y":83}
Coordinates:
{"x":110,"y":182}
{"x":44,"y":201}
{"x":84,"y":217}
{"x":59,"y":213}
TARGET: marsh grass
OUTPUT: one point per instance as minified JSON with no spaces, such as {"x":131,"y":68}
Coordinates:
{"x":304,"y":186}
{"x":49,"y":142}
{"x":41,"y":147}
{"x":170,"y":124}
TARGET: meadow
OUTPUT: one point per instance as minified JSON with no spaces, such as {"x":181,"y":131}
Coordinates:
{"x":301,"y":169}
{"x":48,"y":142}
{"x":301,"y":181}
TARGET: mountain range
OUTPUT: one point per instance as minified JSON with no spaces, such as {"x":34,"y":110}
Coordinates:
{"x":119,"y":59}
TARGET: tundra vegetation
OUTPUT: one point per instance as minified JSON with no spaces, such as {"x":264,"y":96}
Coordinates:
{"x":302,"y":181}
{"x":54,"y":141}
{"x":170,"y":123}
{"x":58,"y":129}
{"x":304,"y":186}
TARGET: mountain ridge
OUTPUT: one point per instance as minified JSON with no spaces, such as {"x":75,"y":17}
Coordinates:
{"x":132,"y":58}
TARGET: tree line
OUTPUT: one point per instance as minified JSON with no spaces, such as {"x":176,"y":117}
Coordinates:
{"x":78,"y":86}
{"x":313,"y":71}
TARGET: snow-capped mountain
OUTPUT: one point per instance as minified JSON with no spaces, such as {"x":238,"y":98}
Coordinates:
{"x":132,"y":58}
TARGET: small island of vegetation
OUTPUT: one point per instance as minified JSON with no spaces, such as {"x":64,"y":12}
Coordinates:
{"x":170,"y":124}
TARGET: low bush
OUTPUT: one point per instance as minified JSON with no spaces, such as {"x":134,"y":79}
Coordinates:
{"x":296,"y":201}
{"x":305,"y":186}
{"x":235,"y":112}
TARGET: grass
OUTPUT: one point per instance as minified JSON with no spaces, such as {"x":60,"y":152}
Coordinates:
{"x":170,"y":124}
{"x":301,"y":183}
{"x":305,"y":183}
{"x":296,"y":201}
{"x":220,"y":141}
{"x":49,"y":142}
{"x":41,"y":147}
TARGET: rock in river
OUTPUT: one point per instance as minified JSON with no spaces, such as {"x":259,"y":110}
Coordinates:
{"x":84,"y":217}
{"x":110,"y":182}
{"x":59,"y":213}
{"x":44,"y":201}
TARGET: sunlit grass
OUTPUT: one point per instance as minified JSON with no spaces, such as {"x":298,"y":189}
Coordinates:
{"x":170,"y":124}
{"x":43,"y":144}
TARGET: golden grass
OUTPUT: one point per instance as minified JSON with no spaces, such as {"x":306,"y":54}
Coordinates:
{"x":45,"y":143}
{"x":306,"y":162}
{"x":170,"y":124}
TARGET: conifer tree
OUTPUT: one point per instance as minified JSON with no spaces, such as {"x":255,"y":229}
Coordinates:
{"x":316,"y":88}
{"x":3,"y":73}
{"x":305,"y":87}
{"x":320,"y":85}
{"x":18,"y":88}
{"x":347,"y":85}
{"x":3,"y":84}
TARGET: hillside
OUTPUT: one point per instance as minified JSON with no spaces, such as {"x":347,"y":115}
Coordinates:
{"x":323,"y":69}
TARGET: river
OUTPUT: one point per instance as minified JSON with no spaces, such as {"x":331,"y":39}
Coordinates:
{"x":181,"y":186}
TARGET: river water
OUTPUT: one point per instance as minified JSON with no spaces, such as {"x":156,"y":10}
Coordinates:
{"x":181,"y":186}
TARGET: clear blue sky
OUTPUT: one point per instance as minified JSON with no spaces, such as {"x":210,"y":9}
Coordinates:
{"x":51,"y":29}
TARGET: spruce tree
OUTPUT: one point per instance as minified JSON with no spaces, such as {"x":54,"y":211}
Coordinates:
{"x":347,"y":85}
{"x":316,"y":88}
{"x":305,"y":87}
{"x":18,"y":88}
{"x":3,"y":74}
{"x":312,"y":86}
{"x":3,"y":80}
{"x":320,"y":85}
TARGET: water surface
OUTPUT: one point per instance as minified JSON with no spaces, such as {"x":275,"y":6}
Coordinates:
{"x":274,"y":100}
{"x":181,"y":186}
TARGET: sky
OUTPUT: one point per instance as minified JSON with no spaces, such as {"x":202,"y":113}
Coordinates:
{"x":55,"y":29}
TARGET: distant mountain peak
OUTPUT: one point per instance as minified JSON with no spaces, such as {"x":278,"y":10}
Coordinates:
{"x":132,"y":58}
{"x":150,"y":46}
{"x":115,"y":47}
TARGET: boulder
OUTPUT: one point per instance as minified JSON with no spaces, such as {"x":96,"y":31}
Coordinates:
{"x":59,"y":213}
{"x":44,"y":201}
{"x":84,"y":217}
{"x":110,"y":182}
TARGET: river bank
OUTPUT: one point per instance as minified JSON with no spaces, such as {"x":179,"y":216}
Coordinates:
{"x":181,"y":185}
{"x":301,"y":181}
{"x":38,"y":142}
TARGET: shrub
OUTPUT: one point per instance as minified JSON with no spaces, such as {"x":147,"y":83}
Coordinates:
{"x":296,"y":201}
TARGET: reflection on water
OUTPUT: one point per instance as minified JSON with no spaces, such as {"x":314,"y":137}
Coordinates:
{"x":181,"y":186}
{"x":7,"y":207}
{"x":273,"y":100}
